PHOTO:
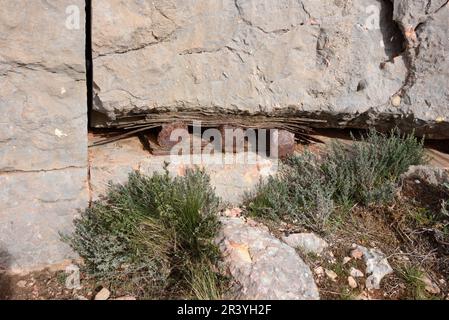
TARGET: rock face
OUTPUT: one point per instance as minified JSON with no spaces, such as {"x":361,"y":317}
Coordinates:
{"x":430,"y":175}
{"x":346,"y":62}
{"x":264,"y":267}
{"x":43,"y":132}
{"x":114,"y":162}
{"x":425,"y":92}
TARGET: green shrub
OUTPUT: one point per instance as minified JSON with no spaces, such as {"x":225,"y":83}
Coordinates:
{"x":299,"y":193}
{"x":309,"y":188}
{"x":145,"y":236}
{"x":204,"y":283}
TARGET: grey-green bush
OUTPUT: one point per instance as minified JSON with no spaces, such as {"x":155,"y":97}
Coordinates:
{"x":309,"y":188}
{"x":146,"y":236}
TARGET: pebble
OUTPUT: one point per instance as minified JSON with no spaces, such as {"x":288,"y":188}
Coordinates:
{"x":356,"y":273}
{"x":104,"y":294}
{"x":319,"y":271}
{"x":331,"y":275}
{"x":357,"y":254}
{"x":430,"y":286}
{"x":233,"y":213}
{"x":127,"y":298}
{"x":352,"y":283}
{"x":396,"y":101}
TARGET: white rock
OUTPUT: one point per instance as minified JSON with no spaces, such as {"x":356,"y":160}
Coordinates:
{"x":126,"y":298}
{"x":377,"y":267}
{"x":346,"y":260}
{"x":319,"y":271}
{"x":352,"y":283}
{"x":104,"y":294}
{"x":356,"y":273}
{"x":430,"y":286}
{"x":306,"y":242}
{"x":396,"y":101}
{"x":264,"y":267}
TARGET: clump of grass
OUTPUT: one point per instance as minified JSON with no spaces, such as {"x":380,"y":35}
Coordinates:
{"x":309,"y":189}
{"x":204,"y":283}
{"x":151,"y":235}
{"x":413,"y":278}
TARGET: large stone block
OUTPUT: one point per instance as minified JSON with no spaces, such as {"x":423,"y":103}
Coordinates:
{"x":43,"y":131}
{"x":339,"y":61}
{"x":36,"y":208}
{"x":43,"y":96}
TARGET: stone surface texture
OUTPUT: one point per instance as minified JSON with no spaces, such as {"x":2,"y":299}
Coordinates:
{"x":431,"y":175}
{"x":263,"y":267}
{"x":377,"y":267}
{"x":352,"y":63}
{"x":43,"y":131}
{"x":114,"y":162}
{"x":306,"y":242}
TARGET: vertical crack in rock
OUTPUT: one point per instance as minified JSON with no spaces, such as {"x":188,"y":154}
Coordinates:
{"x":90,"y":87}
{"x":305,"y":10}
{"x":89,"y":61}
{"x":411,"y":34}
{"x":393,"y":38}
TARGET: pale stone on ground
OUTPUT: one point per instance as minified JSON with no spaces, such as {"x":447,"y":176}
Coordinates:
{"x":262,"y":266}
{"x":306,"y":242}
{"x":377,"y":267}
{"x":427,"y":174}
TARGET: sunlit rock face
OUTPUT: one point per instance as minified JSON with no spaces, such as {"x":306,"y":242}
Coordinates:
{"x":350,"y":63}
{"x":43,"y":130}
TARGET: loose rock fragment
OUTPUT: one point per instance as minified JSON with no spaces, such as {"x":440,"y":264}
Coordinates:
{"x":377,"y":267}
{"x":164,"y":138}
{"x":356,"y":254}
{"x":356,"y":273}
{"x":319,"y":271}
{"x":352,"y":283}
{"x":282,"y":143}
{"x":430,"y":286}
{"x":331,"y":275}
{"x":396,"y":101}
{"x":306,"y":242}
{"x":104,"y":294}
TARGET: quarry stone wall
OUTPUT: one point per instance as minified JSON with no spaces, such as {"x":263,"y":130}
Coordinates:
{"x":43,"y":130}
{"x":347,"y":63}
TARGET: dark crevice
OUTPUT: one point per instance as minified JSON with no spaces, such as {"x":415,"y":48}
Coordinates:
{"x":89,"y":83}
{"x":89,"y":61}
{"x":393,"y":37}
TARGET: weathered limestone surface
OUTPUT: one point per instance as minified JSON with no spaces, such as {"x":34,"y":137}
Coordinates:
{"x":43,"y":131}
{"x":264,"y":267}
{"x":114,"y":162}
{"x":342,"y":61}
